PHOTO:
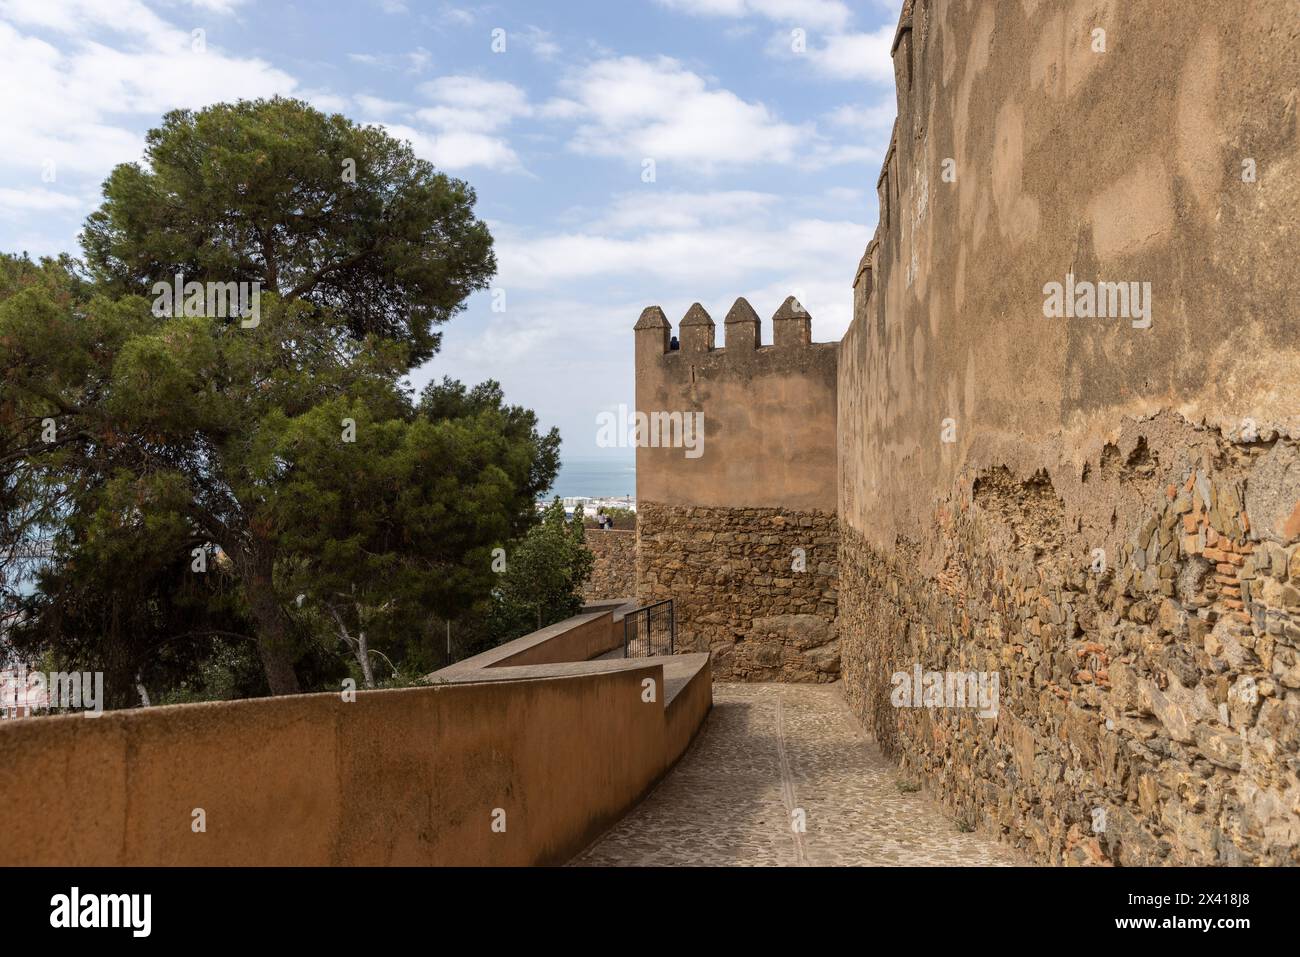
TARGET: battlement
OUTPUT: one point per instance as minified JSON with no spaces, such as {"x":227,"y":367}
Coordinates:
{"x":742,"y":335}
{"x":767,"y":411}
{"x":888,"y":183}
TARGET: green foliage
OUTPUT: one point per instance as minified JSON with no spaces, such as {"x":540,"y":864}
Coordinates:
{"x":264,"y":191}
{"x":342,"y":508}
{"x":544,"y":575}
{"x":24,"y":512}
{"x":531,"y":460}
{"x":229,"y":671}
{"x":400,"y":524}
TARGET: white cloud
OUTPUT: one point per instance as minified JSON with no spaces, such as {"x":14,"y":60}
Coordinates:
{"x":846,"y":195}
{"x":698,"y":257}
{"x":865,"y":125}
{"x":815,"y":14}
{"x":377,"y":105}
{"x":541,"y":44}
{"x":721,"y":242}
{"x":217,"y":6}
{"x":460,"y":129}
{"x":326,"y":101}
{"x":561,"y":108}
{"x":455,"y":119}
{"x":657,"y":209}
{"x":458,"y":16}
{"x":875,"y":118}
{"x":496,"y":101}
{"x":633,"y":109}
{"x":414,"y":61}
{"x":38,"y":199}
{"x":457,"y":150}
{"x":827,"y":42}
{"x":78,"y":105}
{"x":856,"y":56}
{"x":83,"y":17}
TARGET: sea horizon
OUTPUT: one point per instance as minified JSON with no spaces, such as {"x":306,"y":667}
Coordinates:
{"x":594,"y":477}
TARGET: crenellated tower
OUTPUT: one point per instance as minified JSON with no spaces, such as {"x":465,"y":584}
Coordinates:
{"x":736,"y":522}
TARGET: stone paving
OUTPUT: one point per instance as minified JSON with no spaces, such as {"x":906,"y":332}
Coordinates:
{"x":766,"y":753}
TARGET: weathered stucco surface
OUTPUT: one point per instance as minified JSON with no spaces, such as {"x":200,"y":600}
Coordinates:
{"x":1106,"y":515}
{"x":768,"y":411}
{"x":1057,"y":172}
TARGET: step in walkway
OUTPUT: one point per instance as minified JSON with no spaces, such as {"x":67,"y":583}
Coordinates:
{"x":767,"y":754}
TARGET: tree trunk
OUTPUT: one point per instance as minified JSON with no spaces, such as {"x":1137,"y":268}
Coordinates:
{"x":119,"y":669}
{"x":363,"y":655}
{"x":273,"y":642}
{"x":359,"y":647}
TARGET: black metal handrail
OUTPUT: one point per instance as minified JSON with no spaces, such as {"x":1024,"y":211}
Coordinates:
{"x":650,"y":630}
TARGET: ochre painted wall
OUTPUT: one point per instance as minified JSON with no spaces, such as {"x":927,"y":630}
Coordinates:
{"x":406,"y":776}
{"x":769,"y":419}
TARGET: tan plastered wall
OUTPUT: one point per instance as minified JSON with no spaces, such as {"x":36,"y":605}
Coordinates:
{"x":580,"y":638}
{"x":769,"y":425}
{"x":409,"y":776}
{"x":1020,"y":155}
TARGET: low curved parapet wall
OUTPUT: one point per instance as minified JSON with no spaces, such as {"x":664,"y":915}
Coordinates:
{"x":598,"y":629}
{"x":503,"y":765}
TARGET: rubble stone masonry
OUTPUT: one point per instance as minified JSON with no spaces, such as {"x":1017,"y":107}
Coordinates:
{"x":614,"y":573}
{"x":1149,"y":670}
{"x":754,"y":586}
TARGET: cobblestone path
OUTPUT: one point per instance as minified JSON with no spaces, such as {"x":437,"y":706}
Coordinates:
{"x":767,"y":752}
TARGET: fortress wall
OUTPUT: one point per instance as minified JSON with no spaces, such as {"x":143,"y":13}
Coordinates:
{"x":1107,"y":516}
{"x":740,"y":529}
{"x":613,"y":575}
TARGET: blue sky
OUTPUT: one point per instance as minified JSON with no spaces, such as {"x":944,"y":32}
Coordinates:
{"x":765,"y":157}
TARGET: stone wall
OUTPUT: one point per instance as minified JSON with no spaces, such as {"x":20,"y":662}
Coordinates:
{"x":991,"y":456}
{"x":756,"y":587}
{"x":1149,"y":705}
{"x":614,"y":573}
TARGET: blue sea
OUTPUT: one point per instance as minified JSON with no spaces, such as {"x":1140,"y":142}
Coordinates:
{"x":595,"y":478}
